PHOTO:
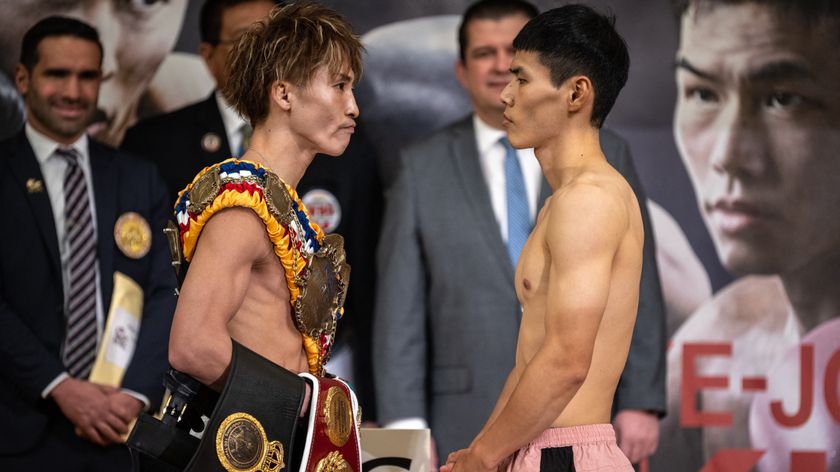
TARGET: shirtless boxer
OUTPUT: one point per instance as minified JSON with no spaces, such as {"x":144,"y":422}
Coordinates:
{"x":578,"y":276}
{"x":261,"y":274}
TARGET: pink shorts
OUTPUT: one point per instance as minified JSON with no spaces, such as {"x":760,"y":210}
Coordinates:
{"x":576,"y":448}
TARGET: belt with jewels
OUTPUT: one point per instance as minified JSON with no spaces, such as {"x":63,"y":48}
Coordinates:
{"x":254,"y":425}
{"x":315,"y":267}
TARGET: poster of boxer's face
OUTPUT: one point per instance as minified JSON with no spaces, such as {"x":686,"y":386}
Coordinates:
{"x":732,"y":111}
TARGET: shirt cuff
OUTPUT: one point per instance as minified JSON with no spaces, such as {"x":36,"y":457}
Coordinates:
{"x":52,"y":385}
{"x":407,"y":423}
{"x":139,"y":396}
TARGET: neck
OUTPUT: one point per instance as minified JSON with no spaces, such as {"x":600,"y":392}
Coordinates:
{"x":811,"y":290}
{"x":276,"y":148}
{"x":63,"y":140}
{"x":568,"y":153}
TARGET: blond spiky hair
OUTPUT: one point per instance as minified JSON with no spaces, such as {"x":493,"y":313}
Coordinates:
{"x":290,"y":45}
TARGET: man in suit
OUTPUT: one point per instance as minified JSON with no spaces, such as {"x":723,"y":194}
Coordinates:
{"x":447,"y":316}
{"x":186,"y":140}
{"x":83,"y":226}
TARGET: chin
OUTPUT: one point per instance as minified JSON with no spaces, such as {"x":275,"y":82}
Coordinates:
{"x":517,"y":142}
{"x":334,"y":152}
{"x":748,"y":261}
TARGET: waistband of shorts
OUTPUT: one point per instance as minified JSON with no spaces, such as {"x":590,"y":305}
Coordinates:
{"x":574,"y":435}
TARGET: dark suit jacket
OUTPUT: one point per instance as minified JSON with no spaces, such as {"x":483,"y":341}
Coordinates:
{"x":31,"y":293}
{"x":173,"y":141}
{"x":447,"y":317}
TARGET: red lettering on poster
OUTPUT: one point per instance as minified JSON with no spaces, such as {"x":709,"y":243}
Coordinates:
{"x":692,"y":384}
{"x":758,"y":384}
{"x":733,"y":460}
{"x":808,"y":461}
{"x":831,"y":387}
{"x":806,"y":392}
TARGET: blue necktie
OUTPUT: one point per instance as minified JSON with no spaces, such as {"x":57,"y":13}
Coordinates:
{"x":518,"y":217}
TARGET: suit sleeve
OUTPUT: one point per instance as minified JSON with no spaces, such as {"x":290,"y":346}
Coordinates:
{"x":399,"y":335}
{"x":642,"y":384}
{"x":23,"y":358}
{"x":145,"y":373}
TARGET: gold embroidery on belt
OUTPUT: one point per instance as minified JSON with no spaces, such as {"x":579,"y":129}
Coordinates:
{"x":338,"y":416}
{"x":242,"y":446}
{"x":333,"y":462}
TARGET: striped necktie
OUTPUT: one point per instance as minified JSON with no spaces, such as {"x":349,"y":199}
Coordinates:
{"x":518,"y":216}
{"x":80,"y":335}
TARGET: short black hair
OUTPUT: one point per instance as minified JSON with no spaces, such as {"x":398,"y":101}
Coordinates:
{"x":491,"y":10}
{"x":210,"y":17}
{"x":811,"y":10}
{"x":53,"y":26}
{"x":575,"y":39}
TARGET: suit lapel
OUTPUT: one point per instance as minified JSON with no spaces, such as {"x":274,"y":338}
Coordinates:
{"x":25,"y":168}
{"x":477,"y":193}
{"x":106,"y":195}
{"x":209,"y":120}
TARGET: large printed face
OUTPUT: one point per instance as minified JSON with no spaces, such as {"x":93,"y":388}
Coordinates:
{"x":136,"y":35}
{"x":61,"y":89}
{"x":486,"y":68}
{"x":323,"y":114}
{"x":757,"y":123}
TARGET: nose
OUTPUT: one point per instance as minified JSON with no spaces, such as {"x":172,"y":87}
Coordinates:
{"x":739,"y":147}
{"x":506,"y":96}
{"x":72,"y":87}
{"x":352,"y":107}
{"x":502,"y":62}
{"x":105,"y":19}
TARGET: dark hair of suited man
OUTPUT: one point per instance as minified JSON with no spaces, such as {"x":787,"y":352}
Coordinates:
{"x":491,"y":10}
{"x":50,"y":27}
{"x":210,"y":17}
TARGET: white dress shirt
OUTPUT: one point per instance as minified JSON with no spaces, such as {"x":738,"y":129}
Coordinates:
{"x":52,"y":169}
{"x":233,"y":123}
{"x":491,"y":156}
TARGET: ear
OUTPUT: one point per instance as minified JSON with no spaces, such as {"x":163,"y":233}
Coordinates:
{"x":22,"y":78}
{"x":205,"y":50}
{"x":580,"y":93}
{"x":461,"y":72}
{"x":281,"y":95}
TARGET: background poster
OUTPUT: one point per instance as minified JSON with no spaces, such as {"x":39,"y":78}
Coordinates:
{"x":751,"y":287}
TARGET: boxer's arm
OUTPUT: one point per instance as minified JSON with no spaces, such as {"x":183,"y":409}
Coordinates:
{"x":584,"y":229}
{"x":213,"y":290}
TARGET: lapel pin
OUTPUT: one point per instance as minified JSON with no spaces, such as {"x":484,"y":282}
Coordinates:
{"x":34,"y":186}
{"x":211,"y":142}
{"x":133,"y":235}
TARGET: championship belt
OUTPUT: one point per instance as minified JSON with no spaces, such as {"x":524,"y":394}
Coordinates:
{"x":254,"y":426}
{"x":332,"y":438}
{"x":314,"y":264}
